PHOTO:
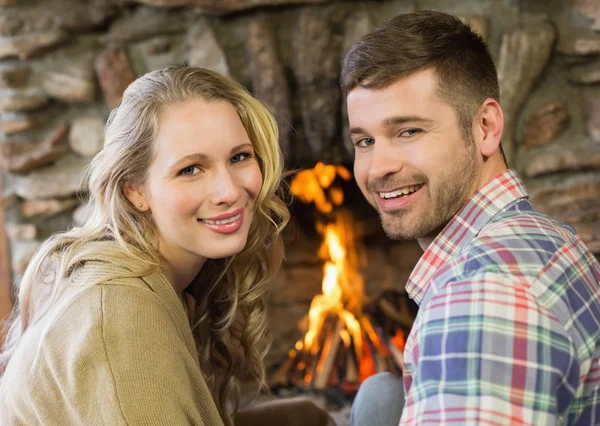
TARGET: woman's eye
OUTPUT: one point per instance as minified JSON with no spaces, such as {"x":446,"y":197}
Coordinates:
{"x":189,"y":171}
{"x":362,"y":143}
{"x":240,"y":157}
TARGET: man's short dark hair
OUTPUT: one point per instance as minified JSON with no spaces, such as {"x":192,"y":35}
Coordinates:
{"x":424,"y":40}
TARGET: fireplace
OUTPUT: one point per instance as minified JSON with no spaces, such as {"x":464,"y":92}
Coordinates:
{"x":339,"y":312}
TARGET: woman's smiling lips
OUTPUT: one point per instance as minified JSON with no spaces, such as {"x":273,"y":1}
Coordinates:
{"x":226,"y":223}
{"x":397,"y":199}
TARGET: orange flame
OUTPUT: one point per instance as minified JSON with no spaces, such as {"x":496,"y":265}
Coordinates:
{"x":314,"y":186}
{"x":342,"y":284}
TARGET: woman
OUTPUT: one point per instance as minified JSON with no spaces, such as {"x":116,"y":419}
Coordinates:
{"x":150,"y":312}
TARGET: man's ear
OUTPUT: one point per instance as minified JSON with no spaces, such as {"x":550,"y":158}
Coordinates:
{"x":489,"y":127}
{"x":135,"y":195}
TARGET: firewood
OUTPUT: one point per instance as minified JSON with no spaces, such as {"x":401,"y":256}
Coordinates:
{"x":329,"y":355}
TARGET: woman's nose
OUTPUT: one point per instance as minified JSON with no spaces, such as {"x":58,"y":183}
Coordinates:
{"x":225,"y":190}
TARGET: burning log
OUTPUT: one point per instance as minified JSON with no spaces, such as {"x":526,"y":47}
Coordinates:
{"x":348,"y":338}
{"x":337,"y":361}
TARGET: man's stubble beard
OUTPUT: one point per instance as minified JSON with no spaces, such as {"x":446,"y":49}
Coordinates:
{"x":454,"y":188}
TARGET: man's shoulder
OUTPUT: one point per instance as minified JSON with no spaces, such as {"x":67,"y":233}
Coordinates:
{"x":518,"y":240}
{"x":523,"y":222}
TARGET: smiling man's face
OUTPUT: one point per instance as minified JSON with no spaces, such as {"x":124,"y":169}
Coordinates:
{"x":412,"y":162}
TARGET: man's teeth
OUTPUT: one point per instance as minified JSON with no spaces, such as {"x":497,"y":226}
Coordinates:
{"x":223,"y":221}
{"x":402,"y":191}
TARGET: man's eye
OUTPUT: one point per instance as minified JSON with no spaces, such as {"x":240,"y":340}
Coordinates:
{"x":410,"y":132}
{"x":362,"y":143}
{"x":189,"y":171}
{"x":240,"y":157}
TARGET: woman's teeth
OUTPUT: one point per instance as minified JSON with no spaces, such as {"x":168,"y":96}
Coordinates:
{"x":400,"y":192}
{"x":222,"y":221}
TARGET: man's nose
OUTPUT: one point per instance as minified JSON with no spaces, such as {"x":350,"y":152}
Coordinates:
{"x":385,"y":161}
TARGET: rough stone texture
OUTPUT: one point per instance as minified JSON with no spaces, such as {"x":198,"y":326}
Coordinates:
{"x":590,"y":10}
{"x":28,"y":45}
{"x":115,"y":73}
{"x":22,"y":157}
{"x":22,"y":254}
{"x":7,"y":199}
{"x":573,"y":200}
{"x":311,"y":278}
{"x":78,"y":16}
{"x":590,"y":234}
{"x":226,"y":6}
{"x":560,"y":191}
{"x":68,"y":87}
{"x":158,"y":46}
{"x":585,"y":74}
{"x":524,"y":52}
{"x":22,"y":20}
{"x":146,"y":22}
{"x":69,"y":75}
{"x":21,"y":232}
{"x":561,"y":159}
{"x":317,"y":51}
{"x":157,"y":53}
{"x":546,"y":124}
{"x":579,"y":46}
{"x":13,"y":122}
{"x":71,"y":15}
{"x":87,"y":135}
{"x":204,"y":49}
{"x":356,"y":26}
{"x":46,"y":208}
{"x":268,"y":79}
{"x":592,"y":115}
{"x":576,"y":212}
{"x":62,"y":180}
{"x":14,"y":74}
{"x":25,"y":99}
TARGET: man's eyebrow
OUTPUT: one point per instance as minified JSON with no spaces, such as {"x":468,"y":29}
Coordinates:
{"x":393,"y":121}
{"x":402,"y":119}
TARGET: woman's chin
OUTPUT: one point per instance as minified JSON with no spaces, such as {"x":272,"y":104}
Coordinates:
{"x":223,"y":250}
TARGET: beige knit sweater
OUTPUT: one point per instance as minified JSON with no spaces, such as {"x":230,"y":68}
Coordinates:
{"x":116,"y":353}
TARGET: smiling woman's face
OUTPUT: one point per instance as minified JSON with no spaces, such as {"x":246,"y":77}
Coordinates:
{"x":203,"y":182}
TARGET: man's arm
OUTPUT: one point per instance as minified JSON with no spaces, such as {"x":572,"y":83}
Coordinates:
{"x":487,"y":353}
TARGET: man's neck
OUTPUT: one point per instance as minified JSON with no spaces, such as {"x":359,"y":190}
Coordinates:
{"x":488,"y":174}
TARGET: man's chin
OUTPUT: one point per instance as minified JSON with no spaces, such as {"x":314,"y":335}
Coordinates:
{"x":397,"y":231}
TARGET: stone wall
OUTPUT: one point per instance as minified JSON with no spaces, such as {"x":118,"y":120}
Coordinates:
{"x":65,"y":63}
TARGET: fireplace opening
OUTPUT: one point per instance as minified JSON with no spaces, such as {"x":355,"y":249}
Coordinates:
{"x":353,"y":323}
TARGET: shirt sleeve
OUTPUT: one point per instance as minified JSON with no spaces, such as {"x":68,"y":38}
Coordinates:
{"x":487,"y":353}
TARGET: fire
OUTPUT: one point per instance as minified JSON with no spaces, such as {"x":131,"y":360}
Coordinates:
{"x":314,"y":186}
{"x":342,"y":285}
{"x":345,"y":343}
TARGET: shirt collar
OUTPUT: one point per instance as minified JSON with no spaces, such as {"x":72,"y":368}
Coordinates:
{"x":501,"y":192}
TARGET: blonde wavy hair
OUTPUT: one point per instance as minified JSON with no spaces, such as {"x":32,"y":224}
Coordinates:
{"x":229,"y":317}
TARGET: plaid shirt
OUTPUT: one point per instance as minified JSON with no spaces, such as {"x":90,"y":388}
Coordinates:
{"x":508,"y":330}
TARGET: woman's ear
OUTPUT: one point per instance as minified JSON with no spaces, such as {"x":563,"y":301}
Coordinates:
{"x":136,"y":196}
{"x":491,"y":125}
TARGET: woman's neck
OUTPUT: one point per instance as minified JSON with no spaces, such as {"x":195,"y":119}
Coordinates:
{"x":181,"y":268}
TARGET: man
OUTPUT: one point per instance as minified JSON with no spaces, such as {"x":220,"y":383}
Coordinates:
{"x":508,"y":330}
